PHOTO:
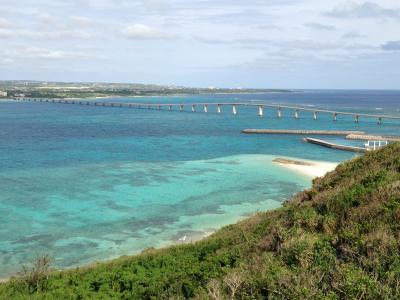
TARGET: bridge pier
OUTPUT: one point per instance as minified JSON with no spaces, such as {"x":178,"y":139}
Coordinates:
{"x":261,"y":111}
{"x":169,"y":107}
{"x":380,"y":121}
{"x":180,"y":107}
{"x":218,"y":108}
{"x":356,"y":118}
{"x":334,"y":115}
{"x":234,"y":110}
{"x":279,"y":112}
{"x":296,"y":114}
{"x":205,"y":108}
{"x":314,"y":115}
{"x":193,"y":108}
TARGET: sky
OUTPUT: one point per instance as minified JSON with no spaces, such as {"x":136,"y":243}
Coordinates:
{"x":317,"y":44}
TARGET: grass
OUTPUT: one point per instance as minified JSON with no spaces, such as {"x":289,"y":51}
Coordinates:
{"x":338,"y":240}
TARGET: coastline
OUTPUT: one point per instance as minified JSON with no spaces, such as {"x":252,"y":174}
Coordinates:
{"x":188,"y":238}
{"x":91,"y":97}
{"x":309,"y":168}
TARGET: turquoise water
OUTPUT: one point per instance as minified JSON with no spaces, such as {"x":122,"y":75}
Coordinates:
{"x":91,"y":183}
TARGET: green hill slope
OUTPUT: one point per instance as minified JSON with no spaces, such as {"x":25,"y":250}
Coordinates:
{"x":338,"y":240}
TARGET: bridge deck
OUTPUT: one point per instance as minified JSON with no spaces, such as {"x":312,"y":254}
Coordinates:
{"x":234,"y":105}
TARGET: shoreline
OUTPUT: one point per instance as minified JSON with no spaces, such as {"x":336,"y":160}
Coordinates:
{"x":309,"y":168}
{"x":306,"y":167}
{"x":188,"y":238}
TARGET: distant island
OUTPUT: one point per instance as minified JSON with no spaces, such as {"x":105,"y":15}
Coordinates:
{"x":62,"y":90}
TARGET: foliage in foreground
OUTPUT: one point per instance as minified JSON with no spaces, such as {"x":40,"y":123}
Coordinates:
{"x":338,"y":240}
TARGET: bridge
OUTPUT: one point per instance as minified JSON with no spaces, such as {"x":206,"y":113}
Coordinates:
{"x":232,"y":107}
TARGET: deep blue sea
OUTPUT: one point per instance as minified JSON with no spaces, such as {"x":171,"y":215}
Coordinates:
{"x":85,"y":183}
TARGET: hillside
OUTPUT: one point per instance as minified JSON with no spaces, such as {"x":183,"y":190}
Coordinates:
{"x":338,"y":240}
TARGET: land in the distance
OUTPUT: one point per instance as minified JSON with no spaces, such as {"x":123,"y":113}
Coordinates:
{"x":46,"y":89}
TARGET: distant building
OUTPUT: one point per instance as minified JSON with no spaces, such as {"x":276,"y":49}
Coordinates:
{"x":3,"y":94}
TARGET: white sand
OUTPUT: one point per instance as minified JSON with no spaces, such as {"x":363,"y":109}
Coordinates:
{"x":309,"y":168}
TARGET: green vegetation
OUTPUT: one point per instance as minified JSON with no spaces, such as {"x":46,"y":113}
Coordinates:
{"x":338,"y":240}
{"x":36,"y":89}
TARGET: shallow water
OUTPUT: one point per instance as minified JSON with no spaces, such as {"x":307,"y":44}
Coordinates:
{"x":90,"y":183}
{"x":89,"y":212}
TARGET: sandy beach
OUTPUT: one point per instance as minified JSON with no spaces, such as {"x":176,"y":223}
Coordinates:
{"x":309,"y":168}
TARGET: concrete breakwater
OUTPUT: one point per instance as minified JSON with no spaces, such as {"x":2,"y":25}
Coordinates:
{"x":302,"y":132}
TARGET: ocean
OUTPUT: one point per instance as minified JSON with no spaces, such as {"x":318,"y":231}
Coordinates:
{"x":86,"y":184}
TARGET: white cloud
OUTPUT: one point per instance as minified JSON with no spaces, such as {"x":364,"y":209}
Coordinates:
{"x":82,"y":21}
{"x":156,"y":5}
{"x":391,"y":46}
{"x":47,"y":27}
{"x":319,"y":26}
{"x":144,"y":32}
{"x":46,"y":18}
{"x":45,"y":35}
{"x":4,"y":23}
{"x":353,"y":35}
{"x":6,"y":33}
{"x":37,"y":53}
{"x":364,"y":10}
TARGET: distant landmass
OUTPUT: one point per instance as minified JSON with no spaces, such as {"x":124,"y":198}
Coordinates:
{"x":47,"y":89}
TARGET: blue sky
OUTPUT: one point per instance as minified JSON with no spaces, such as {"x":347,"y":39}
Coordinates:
{"x":224,"y":43}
